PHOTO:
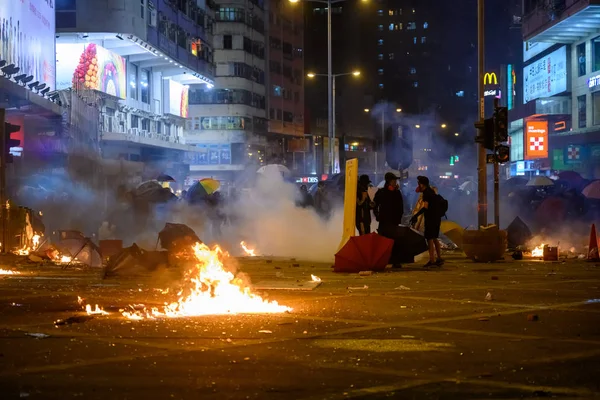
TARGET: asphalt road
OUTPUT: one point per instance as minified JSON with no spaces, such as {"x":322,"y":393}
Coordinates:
{"x":412,"y":334}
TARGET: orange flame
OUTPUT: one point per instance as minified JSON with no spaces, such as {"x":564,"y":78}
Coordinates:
{"x":8,"y":272}
{"x":249,"y":252}
{"x":538,"y":251}
{"x":315,"y":278}
{"x":210,"y":290}
{"x":91,"y":311}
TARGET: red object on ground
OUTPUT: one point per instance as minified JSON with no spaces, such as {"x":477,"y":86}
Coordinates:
{"x":110,"y":248}
{"x":364,"y":253}
{"x":593,"y":248}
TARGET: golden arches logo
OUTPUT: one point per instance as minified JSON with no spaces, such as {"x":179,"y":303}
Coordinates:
{"x":490,"y":78}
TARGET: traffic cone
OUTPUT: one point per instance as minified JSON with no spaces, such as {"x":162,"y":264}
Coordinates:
{"x":593,"y":254}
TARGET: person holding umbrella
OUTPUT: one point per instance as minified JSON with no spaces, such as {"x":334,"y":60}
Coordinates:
{"x":433,"y":220}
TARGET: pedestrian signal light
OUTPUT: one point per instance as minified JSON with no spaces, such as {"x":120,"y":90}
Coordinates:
{"x":8,"y":142}
{"x":501,"y":124}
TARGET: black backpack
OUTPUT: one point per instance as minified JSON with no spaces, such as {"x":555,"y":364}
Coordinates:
{"x":442,"y":206}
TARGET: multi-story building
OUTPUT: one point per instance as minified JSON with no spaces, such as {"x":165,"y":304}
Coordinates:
{"x":286,"y":87}
{"x":560,"y":124}
{"x":228,"y":122}
{"x":135,"y":61}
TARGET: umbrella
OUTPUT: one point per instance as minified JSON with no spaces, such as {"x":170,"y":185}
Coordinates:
{"x":468,"y":186}
{"x":540,"y":181}
{"x":551,"y":211}
{"x":165,"y":178}
{"x":570,"y":176}
{"x":363,"y":253}
{"x":153,"y":192}
{"x":592,"y":191}
{"x":408,"y":243}
{"x":274,"y":169}
{"x":202,"y":189}
{"x":518,"y":233}
{"x":515,"y":181}
{"x":174,"y":234}
{"x":452,"y":231}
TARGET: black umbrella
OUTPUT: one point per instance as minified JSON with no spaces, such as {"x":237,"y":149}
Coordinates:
{"x":407,"y":244}
{"x":171,"y":234}
{"x":165,"y":178}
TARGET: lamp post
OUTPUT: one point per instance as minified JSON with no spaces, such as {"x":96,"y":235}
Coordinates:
{"x":332,"y":113}
{"x":330,"y":76}
{"x":382,"y":146}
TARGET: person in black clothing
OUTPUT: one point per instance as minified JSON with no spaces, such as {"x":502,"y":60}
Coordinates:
{"x":363,"y":206}
{"x":305,"y":199}
{"x":433,"y":220}
{"x":389,"y":206}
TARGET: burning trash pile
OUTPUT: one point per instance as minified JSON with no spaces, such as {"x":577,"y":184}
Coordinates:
{"x":71,"y":247}
{"x":208,"y":288}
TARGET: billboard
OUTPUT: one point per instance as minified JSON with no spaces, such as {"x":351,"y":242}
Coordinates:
{"x":175,"y":98}
{"x":27,"y":31}
{"x":546,"y":77}
{"x":532,"y":49}
{"x":536,"y":139}
{"x":89,"y":66}
{"x":215,"y":154}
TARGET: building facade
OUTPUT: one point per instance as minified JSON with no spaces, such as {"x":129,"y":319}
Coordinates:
{"x":135,"y":61}
{"x":560,"y":129}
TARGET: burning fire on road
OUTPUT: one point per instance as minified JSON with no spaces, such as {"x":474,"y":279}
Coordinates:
{"x":9,"y":272}
{"x":249,"y":252}
{"x":538,"y":251}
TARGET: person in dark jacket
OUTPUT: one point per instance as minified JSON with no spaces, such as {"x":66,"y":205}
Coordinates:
{"x":305,"y":199}
{"x":363,"y":206}
{"x":433,"y":220}
{"x":321,"y":201}
{"x":389,"y":206}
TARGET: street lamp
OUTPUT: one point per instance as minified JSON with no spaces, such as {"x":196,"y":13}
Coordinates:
{"x":355,"y":73}
{"x":456,"y":134}
{"x":367,"y":110}
{"x":444,"y":125}
{"x":330,"y":76}
{"x":398,"y":110}
{"x":417,"y":126}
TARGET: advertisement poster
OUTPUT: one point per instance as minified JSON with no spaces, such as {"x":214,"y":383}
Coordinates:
{"x":546,"y":77}
{"x":532,"y":49}
{"x":536,"y":140}
{"x":89,"y":66}
{"x":27,"y":34}
{"x":175,"y":98}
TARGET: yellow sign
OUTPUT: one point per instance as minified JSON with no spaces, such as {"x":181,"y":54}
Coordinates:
{"x":490,"y":78}
{"x":349,"y":228}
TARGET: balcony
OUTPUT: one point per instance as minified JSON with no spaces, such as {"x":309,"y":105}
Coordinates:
{"x":568,"y":22}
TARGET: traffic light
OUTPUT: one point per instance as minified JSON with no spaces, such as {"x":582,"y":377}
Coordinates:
{"x":488,"y":133}
{"x":502,"y":154}
{"x":453,"y":160}
{"x":8,"y":142}
{"x":501,"y":124}
{"x":398,"y":147}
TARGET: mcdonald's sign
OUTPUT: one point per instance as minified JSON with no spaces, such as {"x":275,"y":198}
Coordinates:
{"x":490,"y":78}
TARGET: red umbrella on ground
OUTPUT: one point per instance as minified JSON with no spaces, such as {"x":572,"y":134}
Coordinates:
{"x":364,"y":253}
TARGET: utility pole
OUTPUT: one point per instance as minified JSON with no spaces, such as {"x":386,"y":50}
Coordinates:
{"x":496,"y":176}
{"x":330,"y":92}
{"x":481,"y":156}
{"x":3,"y":206}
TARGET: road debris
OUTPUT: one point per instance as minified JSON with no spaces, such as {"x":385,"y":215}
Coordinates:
{"x":357,"y":287}
{"x":402,"y":287}
{"x":484,"y":319}
{"x":489,"y":296}
{"x":265,"y":331}
{"x":38,"y":335}
{"x":533,"y":318}
{"x":78,"y":319}
{"x":365,"y":273}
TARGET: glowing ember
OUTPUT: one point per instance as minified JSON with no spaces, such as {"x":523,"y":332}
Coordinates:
{"x":8,"y":272}
{"x":64,"y":259}
{"x":249,"y":252}
{"x":538,"y":251}
{"x":209,"y":289}
{"x":36,"y":241}
{"x":23,"y":251}
{"x":315,"y":278}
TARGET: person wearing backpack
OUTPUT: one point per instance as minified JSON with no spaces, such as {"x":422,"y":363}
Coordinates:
{"x":434,"y":208}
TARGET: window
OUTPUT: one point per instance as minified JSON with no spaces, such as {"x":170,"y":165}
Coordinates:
{"x":413,"y":70}
{"x":411,"y":26}
{"x":380,"y":27}
{"x":596,"y":54}
{"x":415,"y":84}
{"x":596,"y":108}
{"x":145,"y":86}
{"x":271,"y":113}
{"x":380,"y":56}
{"x":380,"y":42}
{"x":66,"y":13}
{"x":395,"y":27}
{"x":391,"y":56}
{"x":581,"y":59}
{"x":380,"y":86}
{"x":277,"y":91}
{"x":380,"y":71}
{"x":380,"y":12}
{"x":391,"y":27}
{"x":425,"y":25}
{"x":581,"y":108}
{"x":135,"y":120}
{"x":288,"y":116}
{"x":460,"y":93}
{"x":231,"y":14}
{"x":142,"y":8}
{"x":415,"y":40}
{"x":133,"y":79}
{"x":227,"y":42}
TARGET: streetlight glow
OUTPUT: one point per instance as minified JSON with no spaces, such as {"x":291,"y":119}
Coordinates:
{"x":310,"y":75}
{"x":456,"y":134}
{"x":444,"y":125}
{"x":367,"y":110}
{"x":417,"y":126}
{"x":398,"y":110}
{"x":293,"y":1}
{"x":356,"y":73}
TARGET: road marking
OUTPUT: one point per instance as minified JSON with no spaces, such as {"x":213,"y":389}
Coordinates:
{"x":369,"y":391}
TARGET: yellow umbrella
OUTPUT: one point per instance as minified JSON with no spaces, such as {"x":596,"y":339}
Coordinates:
{"x":210,"y":185}
{"x":452,"y":231}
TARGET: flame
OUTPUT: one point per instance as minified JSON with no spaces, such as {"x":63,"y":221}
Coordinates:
{"x":36,"y":241}
{"x":64,"y":259}
{"x":8,"y":272}
{"x":23,"y":251}
{"x":249,"y":252}
{"x":209,"y":290}
{"x":315,"y":278}
{"x":89,"y":310}
{"x":538,"y":251}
